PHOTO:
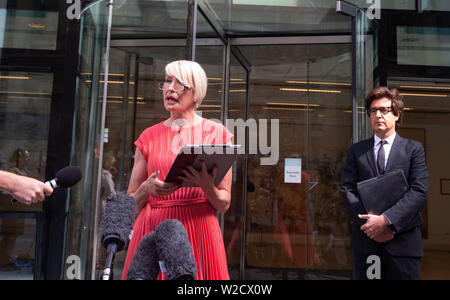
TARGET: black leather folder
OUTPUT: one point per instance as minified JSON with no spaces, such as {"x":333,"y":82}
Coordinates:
{"x":380,"y":193}
{"x":221,"y":156}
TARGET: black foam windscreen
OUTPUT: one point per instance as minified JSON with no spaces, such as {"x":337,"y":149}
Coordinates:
{"x":118,"y":219}
{"x":68,"y":176}
{"x":175,"y":250}
{"x":144,"y":265}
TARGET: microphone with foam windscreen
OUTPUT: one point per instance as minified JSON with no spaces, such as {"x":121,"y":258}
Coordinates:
{"x":116,"y":226}
{"x":175,"y":251}
{"x":66,"y":177}
{"x":144,"y":265}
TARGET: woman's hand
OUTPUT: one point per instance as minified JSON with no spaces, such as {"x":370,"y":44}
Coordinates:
{"x":156,"y":187}
{"x":201,"y":178}
{"x":150,"y":186}
{"x":219,"y":197}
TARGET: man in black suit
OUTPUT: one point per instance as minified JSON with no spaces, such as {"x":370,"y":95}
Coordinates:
{"x":394,"y":236}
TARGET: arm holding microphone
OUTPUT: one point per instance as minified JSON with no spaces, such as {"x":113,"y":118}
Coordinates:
{"x":24,"y":189}
{"x":66,"y":177}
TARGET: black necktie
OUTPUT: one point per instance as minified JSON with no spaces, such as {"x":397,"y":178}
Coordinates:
{"x":380,"y":158}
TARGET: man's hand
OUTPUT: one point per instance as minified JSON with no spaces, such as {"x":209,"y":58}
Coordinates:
{"x":385,"y":236}
{"x":29,"y":190}
{"x":376,"y":227}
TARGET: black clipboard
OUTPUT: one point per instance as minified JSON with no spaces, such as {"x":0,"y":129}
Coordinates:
{"x":222,"y":156}
{"x":380,"y":193}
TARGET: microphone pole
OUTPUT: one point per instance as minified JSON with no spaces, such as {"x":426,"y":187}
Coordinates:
{"x":108,"y":272}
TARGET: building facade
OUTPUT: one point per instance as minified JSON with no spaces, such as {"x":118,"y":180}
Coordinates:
{"x":293,"y":72}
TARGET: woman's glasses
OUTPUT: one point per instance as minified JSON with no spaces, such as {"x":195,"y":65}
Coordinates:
{"x":176,"y":86}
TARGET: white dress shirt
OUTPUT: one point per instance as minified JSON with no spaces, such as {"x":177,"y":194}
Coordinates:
{"x":387,"y":146}
{"x":387,"y":149}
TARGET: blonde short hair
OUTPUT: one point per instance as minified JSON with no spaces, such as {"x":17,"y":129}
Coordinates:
{"x":190,"y":74}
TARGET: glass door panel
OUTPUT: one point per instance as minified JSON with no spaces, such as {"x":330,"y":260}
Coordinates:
{"x":296,"y":223}
{"x":86,"y":139}
{"x":234,"y":220}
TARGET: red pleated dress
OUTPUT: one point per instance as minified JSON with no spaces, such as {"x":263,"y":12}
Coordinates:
{"x":160,"y":145}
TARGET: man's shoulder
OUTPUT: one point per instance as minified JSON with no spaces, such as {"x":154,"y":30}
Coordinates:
{"x":409,"y":143}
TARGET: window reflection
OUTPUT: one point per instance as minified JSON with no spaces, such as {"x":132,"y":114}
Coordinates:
{"x":25,"y":100}
{"x":28,"y":29}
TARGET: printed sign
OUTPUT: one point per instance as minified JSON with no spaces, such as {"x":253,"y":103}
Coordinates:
{"x":293,"y":170}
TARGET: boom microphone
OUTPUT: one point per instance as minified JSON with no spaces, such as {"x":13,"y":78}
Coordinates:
{"x":117,"y":223}
{"x":175,"y":251}
{"x":144,"y":265}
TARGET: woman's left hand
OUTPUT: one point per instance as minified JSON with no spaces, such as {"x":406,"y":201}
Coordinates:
{"x":218,"y":196}
{"x":202,"y":178}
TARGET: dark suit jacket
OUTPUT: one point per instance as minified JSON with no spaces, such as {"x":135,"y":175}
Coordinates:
{"x":405,"y":214}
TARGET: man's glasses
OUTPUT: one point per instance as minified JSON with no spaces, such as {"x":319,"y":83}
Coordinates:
{"x":177,"y":87}
{"x":383,"y":110}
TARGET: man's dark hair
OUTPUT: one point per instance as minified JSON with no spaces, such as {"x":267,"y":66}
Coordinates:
{"x":397,"y":104}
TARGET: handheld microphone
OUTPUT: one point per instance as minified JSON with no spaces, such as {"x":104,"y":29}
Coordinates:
{"x":66,"y":177}
{"x":117,"y":223}
{"x":175,"y":251}
{"x":144,"y":265}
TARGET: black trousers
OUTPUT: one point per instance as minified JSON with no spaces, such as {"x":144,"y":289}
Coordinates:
{"x":385,"y":266}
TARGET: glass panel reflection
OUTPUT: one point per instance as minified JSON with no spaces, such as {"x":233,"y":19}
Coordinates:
{"x":28,"y":29}
{"x":17,"y":247}
{"x":249,"y":17}
{"x":25,"y":99}
{"x":86,"y":138}
{"x":299,"y":230}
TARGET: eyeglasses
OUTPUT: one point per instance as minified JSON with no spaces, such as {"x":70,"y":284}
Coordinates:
{"x":383,"y":110}
{"x":177,"y":87}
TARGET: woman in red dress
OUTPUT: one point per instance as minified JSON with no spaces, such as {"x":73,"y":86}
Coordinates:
{"x":157,"y":147}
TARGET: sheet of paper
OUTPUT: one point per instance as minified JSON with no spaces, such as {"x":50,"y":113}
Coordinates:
{"x":293,"y":170}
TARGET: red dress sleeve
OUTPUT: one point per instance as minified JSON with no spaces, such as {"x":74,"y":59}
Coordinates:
{"x":143,"y":142}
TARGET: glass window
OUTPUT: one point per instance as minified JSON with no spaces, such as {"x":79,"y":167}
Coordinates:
{"x":244,"y":17}
{"x":301,"y":229}
{"x":17,"y":246}
{"x":28,"y":29}
{"x":25,"y":99}
{"x":146,"y":19}
{"x":397,"y":4}
{"x":423,"y":46}
{"x":84,"y":207}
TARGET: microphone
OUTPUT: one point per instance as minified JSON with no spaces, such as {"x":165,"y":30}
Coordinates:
{"x":117,"y":223}
{"x":175,"y":251}
{"x":66,"y":177}
{"x":144,"y":265}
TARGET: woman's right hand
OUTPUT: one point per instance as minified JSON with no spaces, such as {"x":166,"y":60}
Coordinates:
{"x":156,"y":187}
{"x":152,"y":186}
